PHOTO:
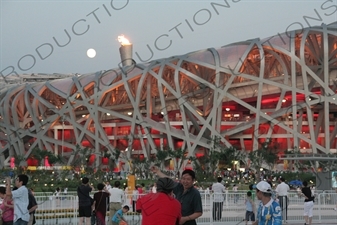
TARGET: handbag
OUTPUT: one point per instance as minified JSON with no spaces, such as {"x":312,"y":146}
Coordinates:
{"x":93,"y":214}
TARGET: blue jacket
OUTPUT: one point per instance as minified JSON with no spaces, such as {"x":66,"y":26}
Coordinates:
{"x":272,"y":209}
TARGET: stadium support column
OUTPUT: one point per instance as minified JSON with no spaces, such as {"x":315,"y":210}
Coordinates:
{"x":56,"y":138}
{"x":326,"y":104}
{"x":150,"y":104}
{"x":150,"y":100}
{"x":253,"y":137}
{"x":293,"y":109}
{"x":219,"y":115}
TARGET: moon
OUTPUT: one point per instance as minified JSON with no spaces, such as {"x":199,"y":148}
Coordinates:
{"x":91,"y":53}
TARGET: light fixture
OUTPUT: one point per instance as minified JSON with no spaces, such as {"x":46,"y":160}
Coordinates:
{"x":227,"y":109}
{"x":108,"y":114}
{"x":199,"y":112}
{"x":284,"y":100}
{"x":129,"y":113}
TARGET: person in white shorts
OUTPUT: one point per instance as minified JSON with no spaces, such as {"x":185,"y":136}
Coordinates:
{"x":308,"y":203}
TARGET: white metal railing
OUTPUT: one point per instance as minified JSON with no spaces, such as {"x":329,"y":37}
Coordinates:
{"x":63,"y":209}
{"x":56,"y":210}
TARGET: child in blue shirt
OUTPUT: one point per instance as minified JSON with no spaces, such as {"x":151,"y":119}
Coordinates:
{"x":119,"y":215}
{"x":250,"y":208}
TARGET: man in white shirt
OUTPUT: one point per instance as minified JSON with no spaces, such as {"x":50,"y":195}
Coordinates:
{"x":65,"y":191}
{"x":282,"y":195}
{"x":334,"y":180}
{"x":116,"y":199}
{"x":107,"y":185}
{"x":20,"y":198}
{"x":218,"y":190}
{"x":236,"y":196}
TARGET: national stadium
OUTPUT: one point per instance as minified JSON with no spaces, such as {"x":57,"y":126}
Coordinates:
{"x":280,"y":89}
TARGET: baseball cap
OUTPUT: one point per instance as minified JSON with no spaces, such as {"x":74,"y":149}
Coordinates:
{"x":263,"y":186}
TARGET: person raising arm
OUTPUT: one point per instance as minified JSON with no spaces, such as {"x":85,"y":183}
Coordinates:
{"x":188,"y":196}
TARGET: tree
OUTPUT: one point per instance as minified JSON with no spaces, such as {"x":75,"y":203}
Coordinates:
{"x":141,"y":166}
{"x":228,"y":155}
{"x":179,"y":156}
{"x":80,"y":158}
{"x":161,"y":156}
{"x":41,"y":155}
{"x":208,"y":164}
{"x":113,"y":157}
{"x":20,"y":163}
{"x":262,"y":157}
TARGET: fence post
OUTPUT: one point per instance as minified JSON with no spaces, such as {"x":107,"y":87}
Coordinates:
{"x":211,"y":196}
{"x":75,"y":205}
{"x":320,"y":207}
{"x":226,"y":199}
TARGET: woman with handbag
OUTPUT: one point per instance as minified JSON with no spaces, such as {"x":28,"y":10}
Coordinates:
{"x":101,"y":199}
{"x":7,"y":208}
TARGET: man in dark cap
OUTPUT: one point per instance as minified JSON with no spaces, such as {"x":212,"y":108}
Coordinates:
{"x":161,"y":207}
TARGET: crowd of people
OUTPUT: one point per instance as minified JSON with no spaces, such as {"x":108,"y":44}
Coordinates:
{"x":185,"y":204}
{"x":168,"y":203}
{"x":181,"y":200}
{"x":273,"y":203}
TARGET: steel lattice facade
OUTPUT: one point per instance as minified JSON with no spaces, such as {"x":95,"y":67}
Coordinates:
{"x":280,"y":89}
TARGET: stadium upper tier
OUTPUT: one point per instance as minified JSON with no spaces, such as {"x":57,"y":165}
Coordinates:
{"x":280,"y":89}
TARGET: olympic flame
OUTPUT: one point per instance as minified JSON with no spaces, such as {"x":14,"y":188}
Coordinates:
{"x":124,"y":41}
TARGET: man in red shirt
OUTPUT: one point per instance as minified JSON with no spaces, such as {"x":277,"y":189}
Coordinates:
{"x":140,"y":191}
{"x":161,"y":207}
